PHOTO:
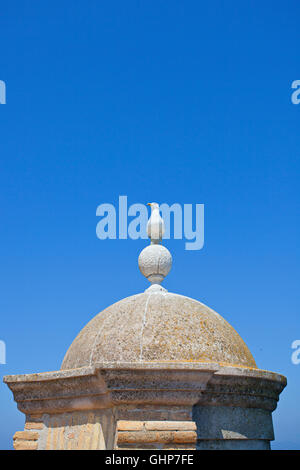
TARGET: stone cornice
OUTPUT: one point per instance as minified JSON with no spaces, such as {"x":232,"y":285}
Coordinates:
{"x":106,"y":385}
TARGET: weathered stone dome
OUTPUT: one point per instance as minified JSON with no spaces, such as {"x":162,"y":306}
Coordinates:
{"x":157,"y":326}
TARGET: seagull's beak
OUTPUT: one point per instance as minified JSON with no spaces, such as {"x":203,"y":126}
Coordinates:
{"x":148,"y":203}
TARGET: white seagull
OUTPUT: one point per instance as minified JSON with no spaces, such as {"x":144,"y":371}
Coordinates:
{"x":155,"y":225}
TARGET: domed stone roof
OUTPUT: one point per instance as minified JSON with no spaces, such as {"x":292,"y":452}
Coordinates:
{"x":157,"y":326}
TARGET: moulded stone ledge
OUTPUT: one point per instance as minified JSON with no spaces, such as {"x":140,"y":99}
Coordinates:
{"x":182,"y":384}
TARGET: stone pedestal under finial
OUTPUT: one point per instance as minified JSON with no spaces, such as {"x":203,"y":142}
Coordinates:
{"x":155,"y":262}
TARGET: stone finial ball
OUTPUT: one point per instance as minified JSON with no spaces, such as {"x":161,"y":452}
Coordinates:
{"x":155,"y":262}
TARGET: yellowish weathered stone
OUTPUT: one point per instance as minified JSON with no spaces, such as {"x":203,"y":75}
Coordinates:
{"x":34,"y":425}
{"x":170,"y":426}
{"x":26,"y":435}
{"x":130,"y":425}
{"x":21,"y":444}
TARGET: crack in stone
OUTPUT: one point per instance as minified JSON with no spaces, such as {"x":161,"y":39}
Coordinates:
{"x":143,"y":327}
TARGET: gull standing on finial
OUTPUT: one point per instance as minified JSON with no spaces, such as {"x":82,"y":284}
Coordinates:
{"x":155,"y":226}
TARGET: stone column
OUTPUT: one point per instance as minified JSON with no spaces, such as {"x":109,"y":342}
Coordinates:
{"x":65,"y":410}
{"x":235,"y":411}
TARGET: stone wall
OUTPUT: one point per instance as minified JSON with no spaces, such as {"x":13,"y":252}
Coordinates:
{"x":167,"y":435}
{"x":28,"y":439}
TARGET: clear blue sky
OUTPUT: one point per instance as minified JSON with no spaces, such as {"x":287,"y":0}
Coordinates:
{"x":171,"y":101}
